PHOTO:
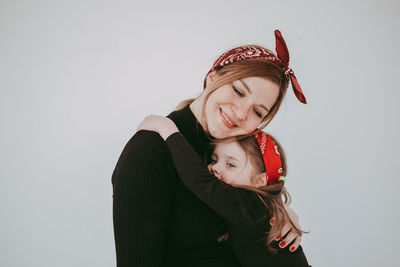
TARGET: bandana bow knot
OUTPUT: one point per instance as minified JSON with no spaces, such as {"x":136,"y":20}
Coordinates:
{"x":289,"y":72}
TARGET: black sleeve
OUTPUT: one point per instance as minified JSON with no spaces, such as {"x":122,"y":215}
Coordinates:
{"x":223,"y":198}
{"x":251,"y":254}
{"x":142,"y":197}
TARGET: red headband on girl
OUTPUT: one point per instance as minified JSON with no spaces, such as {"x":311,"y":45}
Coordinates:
{"x":247,"y":52}
{"x":271,"y":157}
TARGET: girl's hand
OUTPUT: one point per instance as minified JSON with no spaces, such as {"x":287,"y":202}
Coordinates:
{"x":162,"y":125}
{"x":289,"y":231}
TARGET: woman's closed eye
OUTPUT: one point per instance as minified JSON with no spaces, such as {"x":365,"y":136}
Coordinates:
{"x":258,"y":113}
{"x":237,"y":91}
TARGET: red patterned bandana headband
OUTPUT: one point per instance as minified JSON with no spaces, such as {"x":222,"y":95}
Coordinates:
{"x":249,"y":52}
{"x":271,"y":157}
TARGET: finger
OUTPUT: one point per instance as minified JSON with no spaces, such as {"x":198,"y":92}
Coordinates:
{"x":285,"y":229}
{"x":145,"y":123}
{"x":288,"y":239}
{"x":295,"y":244}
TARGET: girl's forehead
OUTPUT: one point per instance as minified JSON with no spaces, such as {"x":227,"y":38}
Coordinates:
{"x":232,"y":149}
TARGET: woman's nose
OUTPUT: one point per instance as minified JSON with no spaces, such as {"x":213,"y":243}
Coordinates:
{"x":240,"y":111}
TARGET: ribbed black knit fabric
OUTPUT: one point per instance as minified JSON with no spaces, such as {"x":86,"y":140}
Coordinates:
{"x":245,"y":213}
{"x":157,"y":220}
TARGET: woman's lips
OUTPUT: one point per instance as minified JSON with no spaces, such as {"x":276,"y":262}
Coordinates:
{"x":226,"y":120}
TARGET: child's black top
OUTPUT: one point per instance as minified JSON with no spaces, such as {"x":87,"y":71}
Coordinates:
{"x":157,"y":220}
{"x":246,"y":216}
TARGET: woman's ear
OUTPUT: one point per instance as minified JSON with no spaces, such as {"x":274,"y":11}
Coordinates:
{"x":211,"y":77}
{"x":261,"y":179}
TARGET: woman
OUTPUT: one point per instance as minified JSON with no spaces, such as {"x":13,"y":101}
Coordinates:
{"x":158,"y":221}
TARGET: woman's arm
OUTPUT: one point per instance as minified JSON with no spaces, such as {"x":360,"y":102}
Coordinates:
{"x":141,"y":197}
{"x":252,"y":255}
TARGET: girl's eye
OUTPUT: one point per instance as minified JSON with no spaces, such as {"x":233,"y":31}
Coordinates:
{"x":258,"y":114}
{"x":213,"y":161}
{"x":230,"y":165}
{"x":237,"y":91}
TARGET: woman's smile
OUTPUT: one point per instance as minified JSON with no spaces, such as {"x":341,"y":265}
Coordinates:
{"x":227,"y":120}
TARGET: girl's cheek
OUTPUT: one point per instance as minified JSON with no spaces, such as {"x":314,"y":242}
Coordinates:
{"x":227,"y":180}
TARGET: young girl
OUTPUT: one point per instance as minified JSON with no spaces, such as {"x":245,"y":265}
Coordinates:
{"x":244,"y":184}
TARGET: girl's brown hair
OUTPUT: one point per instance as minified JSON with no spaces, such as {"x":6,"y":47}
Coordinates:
{"x":274,"y":196}
{"x":243,"y":69}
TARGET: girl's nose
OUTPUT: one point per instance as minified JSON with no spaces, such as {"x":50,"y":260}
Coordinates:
{"x":214,"y":171}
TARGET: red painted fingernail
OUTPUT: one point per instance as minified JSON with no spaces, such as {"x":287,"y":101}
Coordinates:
{"x":271,"y":221}
{"x":282,"y":244}
{"x":278,"y":237}
{"x":292,"y":248}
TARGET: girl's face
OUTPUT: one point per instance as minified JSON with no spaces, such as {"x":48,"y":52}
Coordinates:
{"x":239,"y":108}
{"x":230,"y":164}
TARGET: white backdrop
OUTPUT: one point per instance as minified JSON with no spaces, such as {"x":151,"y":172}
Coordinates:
{"x":76,"y":77}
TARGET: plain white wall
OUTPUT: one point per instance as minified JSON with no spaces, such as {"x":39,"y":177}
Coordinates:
{"x":76,"y":77}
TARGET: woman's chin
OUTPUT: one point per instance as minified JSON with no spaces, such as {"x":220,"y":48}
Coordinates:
{"x":216,"y":132}
{"x":221,"y":133}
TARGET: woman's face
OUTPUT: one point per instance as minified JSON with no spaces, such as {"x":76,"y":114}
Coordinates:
{"x":238,"y":108}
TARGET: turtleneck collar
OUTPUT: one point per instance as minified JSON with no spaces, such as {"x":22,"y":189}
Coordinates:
{"x":191,"y":129}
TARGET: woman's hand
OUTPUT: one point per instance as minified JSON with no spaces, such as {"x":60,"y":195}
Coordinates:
{"x":289,"y":231}
{"x":162,"y":125}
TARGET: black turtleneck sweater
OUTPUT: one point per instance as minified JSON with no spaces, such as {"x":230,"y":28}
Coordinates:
{"x":157,"y":220}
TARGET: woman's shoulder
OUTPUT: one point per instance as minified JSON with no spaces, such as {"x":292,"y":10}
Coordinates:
{"x":144,"y":151}
{"x":146,"y":145}
{"x":146,"y":139}
{"x":145,"y":155}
